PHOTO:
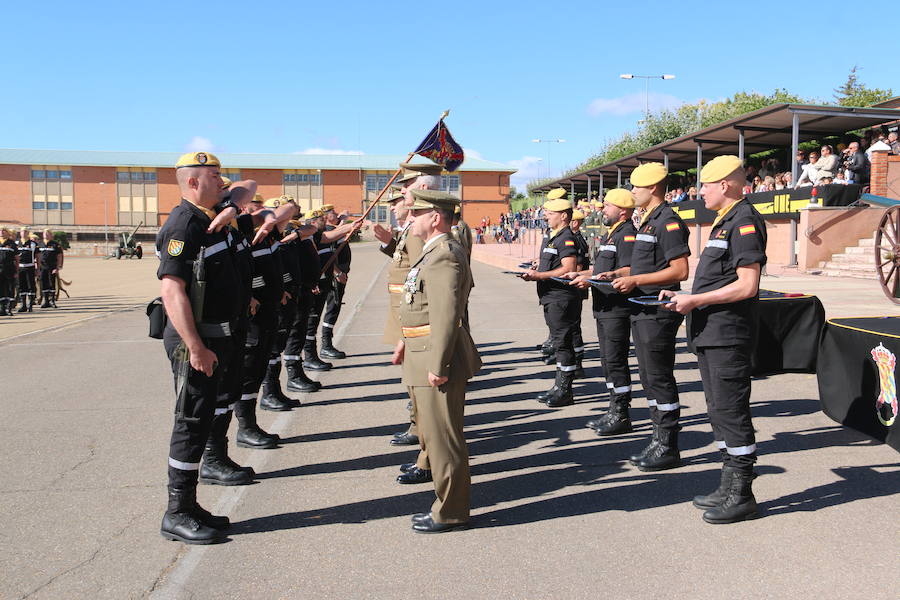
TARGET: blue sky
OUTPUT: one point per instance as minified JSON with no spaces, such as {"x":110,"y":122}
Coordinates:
{"x":373,"y":77}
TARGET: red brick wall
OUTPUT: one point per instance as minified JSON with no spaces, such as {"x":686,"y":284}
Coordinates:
{"x":878,"y":176}
{"x":270,"y":182}
{"x":484,"y":195}
{"x":15,"y":194}
{"x":90,"y":197}
{"x":344,"y":189}
{"x":169,"y":194}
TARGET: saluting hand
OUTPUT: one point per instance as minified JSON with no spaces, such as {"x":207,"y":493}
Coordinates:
{"x":265,"y":228}
{"x":222,"y":219}
{"x":382,"y":234}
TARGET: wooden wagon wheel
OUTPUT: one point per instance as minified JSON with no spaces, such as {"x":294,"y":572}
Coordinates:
{"x":887,"y":253}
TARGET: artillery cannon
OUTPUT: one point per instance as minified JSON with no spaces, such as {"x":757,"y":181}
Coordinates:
{"x":128,"y":246}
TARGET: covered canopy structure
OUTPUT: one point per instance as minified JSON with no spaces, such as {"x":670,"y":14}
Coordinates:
{"x":775,"y":126}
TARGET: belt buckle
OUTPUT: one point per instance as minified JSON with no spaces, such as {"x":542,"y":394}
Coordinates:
{"x":226,"y":328}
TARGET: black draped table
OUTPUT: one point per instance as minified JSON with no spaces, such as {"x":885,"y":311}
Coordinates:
{"x":789,"y":330}
{"x":857,"y":375}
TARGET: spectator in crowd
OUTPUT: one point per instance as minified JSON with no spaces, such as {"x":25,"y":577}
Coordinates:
{"x":756,"y":185}
{"x":692,"y":193}
{"x":855,"y":164}
{"x":768,"y":184}
{"x":841,"y":177}
{"x":893,"y":140}
{"x":807,"y":170}
{"x":827,"y":164}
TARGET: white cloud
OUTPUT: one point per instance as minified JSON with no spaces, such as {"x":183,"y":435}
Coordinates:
{"x":632,"y":103}
{"x":199,"y":143}
{"x":529,"y":167}
{"x":329,"y":151}
{"x":470,"y":153}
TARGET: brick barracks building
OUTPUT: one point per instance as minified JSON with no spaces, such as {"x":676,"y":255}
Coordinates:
{"x":93,"y":196}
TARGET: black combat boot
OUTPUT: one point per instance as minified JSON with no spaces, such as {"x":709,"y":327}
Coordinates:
{"x":619,"y":420}
{"x":4,"y":308}
{"x":545,"y":348}
{"x":46,"y":302}
{"x":544,"y":396}
{"x":328,"y":349}
{"x":311,"y":358}
{"x":654,"y":442}
{"x":206,"y":517}
{"x":563,"y":395}
{"x":52,"y":299}
{"x":298,"y":381}
{"x":665,"y":455}
{"x":24,"y":307}
{"x":739,"y":503}
{"x":272,"y":397}
{"x":182,"y":522}
{"x":217,"y":468}
{"x":718,"y":496}
{"x":249,"y":434}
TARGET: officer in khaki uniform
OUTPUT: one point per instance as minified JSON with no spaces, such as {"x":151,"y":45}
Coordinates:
{"x":404,"y":248}
{"x":439,"y":356}
{"x":462,"y":233}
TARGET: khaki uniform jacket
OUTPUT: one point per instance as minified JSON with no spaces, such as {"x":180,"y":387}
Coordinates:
{"x":403,"y":250}
{"x":462,"y":233}
{"x":434,"y":305}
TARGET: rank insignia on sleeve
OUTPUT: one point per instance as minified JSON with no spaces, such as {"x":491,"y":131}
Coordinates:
{"x":628,"y":238}
{"x":747,"y":229}
{"x":672,"y":227}
{"x":175,"y":247}
{"x":723,"y":233}
{"x":570,"y":243}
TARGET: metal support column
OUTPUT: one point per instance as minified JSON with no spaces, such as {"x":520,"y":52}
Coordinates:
{"x":666,"y":160}
{"x":618,"y":176}
{"x":601,"y":186}
{"x":699,"y":165}
{"x":572,"y":192}
{"x":795,"y":146}
{"x":589,"y":188}
{"x":740,"y":143}
{"x":792,"y":250}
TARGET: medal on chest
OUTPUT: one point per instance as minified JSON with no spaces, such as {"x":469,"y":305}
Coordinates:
{"x":412,"y":279}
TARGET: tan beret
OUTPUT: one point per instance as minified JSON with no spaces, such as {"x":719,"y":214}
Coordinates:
{"x":197,"y":159}
{"x":556,"y":194}
{"x":648,"y":174}
{"x":557,"y":205}
{"x":719,"y":168}
{"x":577,"y":215}
{"x":620,"y":197}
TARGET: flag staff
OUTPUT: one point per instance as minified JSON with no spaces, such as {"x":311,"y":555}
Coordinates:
{"x":346,"y":240}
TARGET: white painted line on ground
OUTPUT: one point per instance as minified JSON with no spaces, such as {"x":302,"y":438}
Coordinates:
{"x":70,"y":323}
{"x":181,"y":572}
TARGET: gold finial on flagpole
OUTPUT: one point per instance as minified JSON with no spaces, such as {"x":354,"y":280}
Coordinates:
{"x":444,"y":115}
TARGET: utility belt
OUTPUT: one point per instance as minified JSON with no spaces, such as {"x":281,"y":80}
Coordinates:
{"x":215,"y":330}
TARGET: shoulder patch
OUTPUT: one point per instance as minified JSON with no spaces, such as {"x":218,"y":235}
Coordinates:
{"x":628,"y":238}
{"x":175,"y":247}
{"x":747,"y":229}
{"x":570,"y":242}
{"x":672,"y":227}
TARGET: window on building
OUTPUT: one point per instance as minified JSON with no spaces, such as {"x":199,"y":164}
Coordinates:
{"x":305,"y":185}
{"x":52,"y":195}
{"x":232,"y":175}
{"x":137,"y":196}
{"x":450,"y":183}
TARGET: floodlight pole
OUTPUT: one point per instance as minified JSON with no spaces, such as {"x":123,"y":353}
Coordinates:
{"x":646,"y":79}
{"x":548,"y":142}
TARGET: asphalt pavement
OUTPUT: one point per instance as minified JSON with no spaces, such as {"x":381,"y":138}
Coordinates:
{"x":557,"y":511}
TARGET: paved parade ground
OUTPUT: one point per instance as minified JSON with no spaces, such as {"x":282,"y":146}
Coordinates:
{"x":557,"y":511}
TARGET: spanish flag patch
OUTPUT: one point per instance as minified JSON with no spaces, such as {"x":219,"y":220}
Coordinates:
{"x":628,"y":238}
{"x":747,"y":229}
{"x":671,"y":226}
{"x":570,"y":243}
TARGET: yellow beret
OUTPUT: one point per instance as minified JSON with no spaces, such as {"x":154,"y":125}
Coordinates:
{"x":557,"y":205}
{"x":648,"y":174}
{"x":258,"y":199}
{"x":620,"y":197}
{"x":456,"y":211}
{"x":577,"y":215}
{"x":272,"y":202}
{"x":556,"y":194}
{"x":326,"y":207}
{"x":719,"y":168}
{"x":313,"y":213}
{"x":226,"y":183}
{"x":197,"y":159}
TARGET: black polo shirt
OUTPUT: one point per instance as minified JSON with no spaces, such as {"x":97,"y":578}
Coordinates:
{"x":554,"y":248}
{"x":287,"y":255}
{"x":583,"y":257}
{"x":8,"y":253}
{"x":49,"y":254}
{"x":324,"y":251}
{"x":179,"y":241}
{"x":309,"y":262}
{"x":738,"y":239}
{"x":614,"y":252}
{"x":27,"y":252}
{"x":268,"y":283}
{"x":240,"y":245}
{"x":661,"y":238}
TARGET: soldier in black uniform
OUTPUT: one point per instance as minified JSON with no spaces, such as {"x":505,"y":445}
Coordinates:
{"x":584,"y":261}
{"x":722,"y":325}
{"x":50,"y":262}
{"x":612,"y":310}
{"x":27,"y":259}
{"x":659,"y":261}
{"x":9,"y":269}
{"x":561,"y":302}
{"x":336,"y":296}
{"x":190,"y":227}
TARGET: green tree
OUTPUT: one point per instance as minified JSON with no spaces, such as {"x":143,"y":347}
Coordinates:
{"x":854,"y":93}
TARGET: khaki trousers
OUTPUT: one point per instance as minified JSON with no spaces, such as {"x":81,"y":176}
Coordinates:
{"x":439,"y":414}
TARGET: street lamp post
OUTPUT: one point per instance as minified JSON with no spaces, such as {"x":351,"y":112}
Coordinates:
{"x":105,"y":219}
{"x":548,"y":142}
{"x":646,"y":79}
